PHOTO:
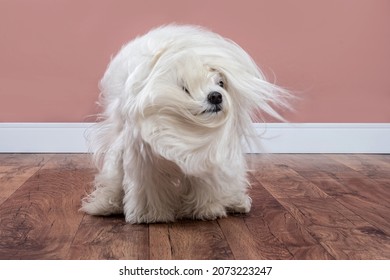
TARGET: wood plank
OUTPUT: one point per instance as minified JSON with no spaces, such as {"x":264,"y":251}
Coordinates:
{"x":109,"y":238}
{"x":344,"y":234}
{"x":40,"y":218}
{"x":70,"y":161}
{"x":347,"y":181}
{"x":246,"y":246}
{"x":269,"y":216}
{"x":360,"y":194}
{"x":248,"y":235}
{"x":375,"y":167}
{"x":313,"y":163}
{"x":279,"y":174}
{"x":359,"y":197}
{"x":324,"y":216}
{"x":21,"y":159}
{"x":382,"y":157}
{"x":159,"y":242}
{"x":199,"y":240}
{"x":15,"y":169}
{"x":370,"y":166}
{"x":373,"y":213}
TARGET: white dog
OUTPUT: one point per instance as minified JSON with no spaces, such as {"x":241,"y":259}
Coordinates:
{"x":177,"y":103}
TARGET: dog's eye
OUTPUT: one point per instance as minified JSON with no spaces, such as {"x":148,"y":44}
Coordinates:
{"x":186,"y":90}
{"x":221,"y":84}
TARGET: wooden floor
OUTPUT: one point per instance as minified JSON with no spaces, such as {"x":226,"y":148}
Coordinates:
{"x":304,"y":207}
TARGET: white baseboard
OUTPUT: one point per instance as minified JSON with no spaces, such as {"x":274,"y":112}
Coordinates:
{"x":276,"y":137}
{"x":325,"y":137}
{"x":43,"y":137}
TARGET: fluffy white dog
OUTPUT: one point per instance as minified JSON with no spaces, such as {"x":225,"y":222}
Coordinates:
{"x":177,"y":103}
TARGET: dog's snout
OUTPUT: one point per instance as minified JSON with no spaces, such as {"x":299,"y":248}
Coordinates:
{"x":215,"y":97}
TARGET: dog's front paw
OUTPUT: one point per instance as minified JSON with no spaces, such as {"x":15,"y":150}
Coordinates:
{"x":134,"y":217}
{"x":101,"y":202}
{"x":210,"y":211}
{"x":242,"y":206}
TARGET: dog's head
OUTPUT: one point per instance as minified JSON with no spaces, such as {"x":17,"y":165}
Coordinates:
{"x":183,"y":85}
{"x":198,"y":93}
{"x":203,"y":79}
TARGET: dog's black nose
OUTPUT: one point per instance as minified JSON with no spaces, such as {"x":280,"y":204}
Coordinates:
{"x":215,"y":97}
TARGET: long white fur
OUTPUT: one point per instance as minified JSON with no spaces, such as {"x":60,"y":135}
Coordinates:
{"x":160,"y":154}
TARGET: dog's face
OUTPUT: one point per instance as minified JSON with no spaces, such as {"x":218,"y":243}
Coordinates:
{"x":186,"y":109}
{"x":185,"y":88}
{"x":210,"y":92}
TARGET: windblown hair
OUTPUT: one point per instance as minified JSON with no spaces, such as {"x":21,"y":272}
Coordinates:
{"x":160,"y":139}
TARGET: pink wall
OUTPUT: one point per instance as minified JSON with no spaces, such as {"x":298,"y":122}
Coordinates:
{"x":334,"y":54}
